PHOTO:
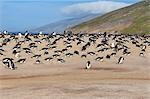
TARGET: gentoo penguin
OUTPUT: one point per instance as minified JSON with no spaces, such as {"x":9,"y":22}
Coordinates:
{"x":9,"y":63}
{"x":99,"y":59}
{"x":144,"y":47}
{"x":108,"y":56}
{"x":40,"y":33}
{"x":54,"y":33}
{"x":20,"y":35}
{"x":36,"y":56}
{"x":48,"y":59}
{"x":37,"y":61}
{"x":26,"y":34}
{"x":76,"y":52}
{"x":61,"y":60}
{"x":143,"y":50}
{"x":88,"y":65}
{"x":120,"y":60}
{"x":112,"y":46}
{"x":69,"y":54}
{"x":113,"y":54}
{"x":91,"y":53}
{"x":21,"y":61}
{"x":141,"y":54}
{"x":5,"y":32}
{"x":83,"y":56}
{"x":46,"y":53}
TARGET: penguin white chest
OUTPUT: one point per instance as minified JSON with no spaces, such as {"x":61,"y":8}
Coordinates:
{"x":121,"y":60}
{"x":88,"y":65}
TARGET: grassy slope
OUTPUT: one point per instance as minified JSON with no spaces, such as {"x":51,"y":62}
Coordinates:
{"x":138,"y":15}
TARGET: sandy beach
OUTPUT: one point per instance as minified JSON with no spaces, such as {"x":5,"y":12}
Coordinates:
{"x":70,"y":80}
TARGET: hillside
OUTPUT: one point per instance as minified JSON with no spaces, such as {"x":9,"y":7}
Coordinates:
{"x":60,"y":26}
{"x":132,"y":19}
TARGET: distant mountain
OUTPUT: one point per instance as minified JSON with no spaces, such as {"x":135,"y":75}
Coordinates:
{"x":60,"y":26}
{"x":132,"y":19}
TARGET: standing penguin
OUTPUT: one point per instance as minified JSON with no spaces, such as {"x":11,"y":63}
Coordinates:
{"x":20,"y":35}
{"x":9,"y":63}
{"x":120,"y":60}
{"x":37,"y":61}
{"x":88,"y":65}
{"x":141,"y":54}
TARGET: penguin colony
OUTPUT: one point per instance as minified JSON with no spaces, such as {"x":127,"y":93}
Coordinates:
{"x":115,"y":45}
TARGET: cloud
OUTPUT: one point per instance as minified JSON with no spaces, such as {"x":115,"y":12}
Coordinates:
{"x":93,"y":7}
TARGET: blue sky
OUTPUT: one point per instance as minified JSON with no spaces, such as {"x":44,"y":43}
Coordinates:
{"x":21,"y":15}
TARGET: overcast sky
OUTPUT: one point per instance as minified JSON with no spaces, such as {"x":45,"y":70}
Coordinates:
{"x":21,"y":15}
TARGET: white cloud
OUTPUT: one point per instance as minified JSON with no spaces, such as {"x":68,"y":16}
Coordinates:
{"x":93,"y":7}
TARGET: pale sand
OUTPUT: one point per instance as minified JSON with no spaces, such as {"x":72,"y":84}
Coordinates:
{"x":52,"y":80}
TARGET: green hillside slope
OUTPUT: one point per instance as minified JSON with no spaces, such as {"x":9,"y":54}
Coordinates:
{"x":134,"y":19}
